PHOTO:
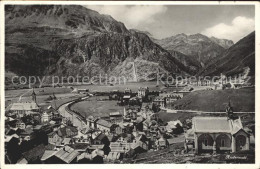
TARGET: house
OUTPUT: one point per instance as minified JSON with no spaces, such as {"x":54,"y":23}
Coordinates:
{"x":22,"y":109}
{"x":97,"y":156}
{"x":27,"y":134}
{"x":91,"y":122}
{"x":126,"y":99}
{"x":112,"y":156}
{"x":101,"y":139}
{"x":68,"y":131}
{"x":128,"y":91}
{"x":174,"y":127}
{"x":171,"y":97}
{"x":9,"y":138}
{"x":47,"y":154}
{"x":120,"y":147}
{"x":141,"y":143}
{"x":33,"y":156}
{"x":160,"y":101}
{"x":219,"y":134}
{"x":143,"y":92}
{"x":161,"y":143}
{"x":46,"y":117}
{"x":54,"y":138}
{"x":66,"y":141}
{"x":20,"y":124}
{"x":139,"y":147}
{"x":115,"y":117}
{"x":65,"y":155}
{"x":84,"y":158}
{"x":104,"y":125}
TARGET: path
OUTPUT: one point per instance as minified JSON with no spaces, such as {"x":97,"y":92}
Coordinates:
{"x":74,"y":118}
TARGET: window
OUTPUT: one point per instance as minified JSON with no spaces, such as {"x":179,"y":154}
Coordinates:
{"x":222,"y":143}
{"x":206,"y":142}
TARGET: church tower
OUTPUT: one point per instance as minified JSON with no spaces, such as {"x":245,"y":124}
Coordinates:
{"x":33,"y":96}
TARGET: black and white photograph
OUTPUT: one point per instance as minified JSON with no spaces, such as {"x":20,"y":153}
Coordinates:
{"x":119,"y":83}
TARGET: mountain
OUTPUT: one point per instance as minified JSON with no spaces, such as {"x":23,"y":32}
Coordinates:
{"x":72,"y":40}
{"x":200,"y":47}
{"x":225,"y":43}
{"x":238,"y":59}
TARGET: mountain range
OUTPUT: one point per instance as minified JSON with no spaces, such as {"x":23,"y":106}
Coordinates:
{"x":72,"y":40}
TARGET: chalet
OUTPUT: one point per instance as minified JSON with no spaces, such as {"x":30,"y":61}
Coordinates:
{"x":219,"y":134}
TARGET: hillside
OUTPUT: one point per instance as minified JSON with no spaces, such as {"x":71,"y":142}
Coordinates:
{"x":199,"y":47}
{"x":240,"y":58}
{"x":216,"y":100}
{"x":73,"y":40}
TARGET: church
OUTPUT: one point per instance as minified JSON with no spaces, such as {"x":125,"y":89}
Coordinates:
{"x":219,"y":134}
{"x":21,"y":109}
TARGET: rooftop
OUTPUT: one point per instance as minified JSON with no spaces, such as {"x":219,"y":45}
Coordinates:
{"x":27,"y":106}
{"x":216,"y":124}
{"x":67,"y":154}
{"x":104,"y":123}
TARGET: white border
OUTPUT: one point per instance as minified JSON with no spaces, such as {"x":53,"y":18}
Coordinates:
{"x":130,"y":166}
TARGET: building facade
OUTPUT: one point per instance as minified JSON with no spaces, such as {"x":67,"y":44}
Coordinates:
{"x":219,"y":134}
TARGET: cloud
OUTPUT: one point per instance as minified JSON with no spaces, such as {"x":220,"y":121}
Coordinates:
{"x":239,"y":28}
{"x":131,"y":16}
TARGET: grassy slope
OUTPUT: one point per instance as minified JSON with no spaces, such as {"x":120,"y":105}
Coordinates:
{"x":216,"y":100}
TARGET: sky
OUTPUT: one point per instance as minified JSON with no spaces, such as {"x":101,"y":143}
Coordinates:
{"x":222,"y":21}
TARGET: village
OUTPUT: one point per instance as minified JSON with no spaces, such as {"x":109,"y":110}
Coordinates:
{"x":51,"y":134}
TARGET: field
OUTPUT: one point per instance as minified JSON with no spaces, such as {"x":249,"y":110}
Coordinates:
{"x":43,"y":94}
{"x":242,"y":100}
{"x":152,"y":85}
{"x":94,"y":106}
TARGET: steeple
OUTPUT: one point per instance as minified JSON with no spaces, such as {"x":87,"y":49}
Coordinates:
{"x":229,"y":110}
{"x":33,"y":96}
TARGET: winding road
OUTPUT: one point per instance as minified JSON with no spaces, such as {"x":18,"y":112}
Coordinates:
{"x":69,"y":115}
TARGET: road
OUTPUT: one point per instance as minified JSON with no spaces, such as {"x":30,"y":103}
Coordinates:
{"x":74,"y":118}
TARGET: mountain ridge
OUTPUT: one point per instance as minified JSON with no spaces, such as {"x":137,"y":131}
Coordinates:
{"x":79,"y":42}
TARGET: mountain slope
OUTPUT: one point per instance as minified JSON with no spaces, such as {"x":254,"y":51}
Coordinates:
{"x":72,"y":40}
{"x":225,"y":43}
{"x":198,"y":46}
{"x":240,"y":58}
